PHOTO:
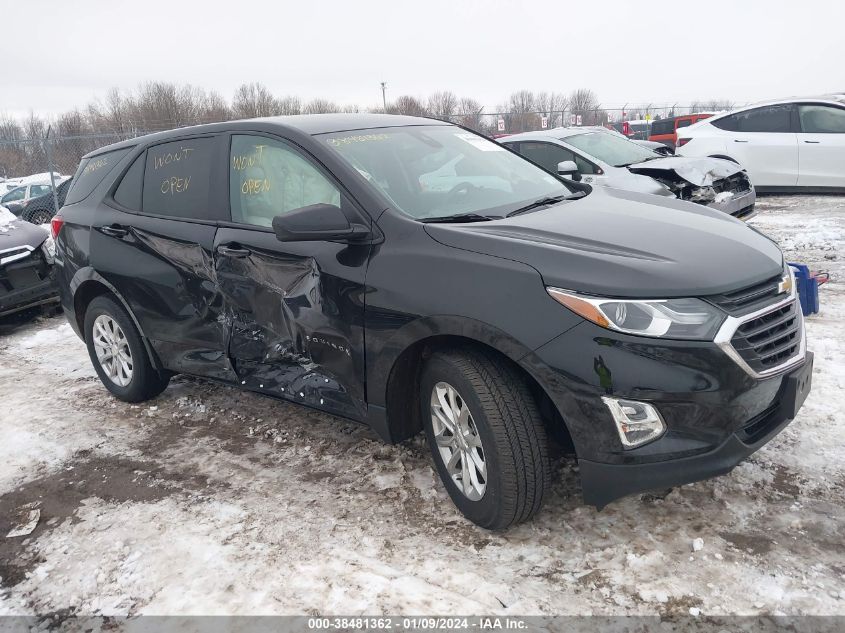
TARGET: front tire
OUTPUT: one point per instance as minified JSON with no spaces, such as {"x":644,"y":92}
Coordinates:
{"x":486,"y":437}
{"x":118,"y":354}
{"x":39,"y":216}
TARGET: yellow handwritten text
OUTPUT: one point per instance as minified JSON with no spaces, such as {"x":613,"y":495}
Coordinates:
{"x":252,"y":186}
{"x":183,"y":153}
{"x":94,"y":165}
{"x":174,"y":185}
{"x":239,"y":163}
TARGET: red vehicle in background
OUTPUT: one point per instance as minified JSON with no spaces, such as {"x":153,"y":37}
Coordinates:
{"x":666,"y":130}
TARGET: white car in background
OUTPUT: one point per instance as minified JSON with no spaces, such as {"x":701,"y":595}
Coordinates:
{"x":790,"y":144}
{"x":600,"y":157}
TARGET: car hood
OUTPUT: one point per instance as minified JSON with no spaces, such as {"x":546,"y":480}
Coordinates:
{"x":15,"y":232}
{"x":626,"y":244}
{"x":698,"y":171}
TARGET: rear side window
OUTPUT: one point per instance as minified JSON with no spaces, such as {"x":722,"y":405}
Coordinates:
{"x":662,"y":127}
{"x":177,"y":178}
{"x":684,"y":123}
{"x":776,"y":118}
{"x":821,"y":119}
{"x":91,"y":172}
{"x":128,"y":192}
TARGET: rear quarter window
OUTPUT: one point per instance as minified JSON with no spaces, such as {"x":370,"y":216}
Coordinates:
{"x":177,"y":178}
{"x":91,"y":173}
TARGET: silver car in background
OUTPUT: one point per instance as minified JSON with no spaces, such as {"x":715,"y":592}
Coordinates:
{"x":601,"y":158}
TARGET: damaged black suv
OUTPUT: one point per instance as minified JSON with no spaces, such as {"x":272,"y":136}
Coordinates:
{"x":413,"y":275}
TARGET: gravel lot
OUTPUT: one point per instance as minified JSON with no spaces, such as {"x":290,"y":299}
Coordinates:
{"x":209,"y":500}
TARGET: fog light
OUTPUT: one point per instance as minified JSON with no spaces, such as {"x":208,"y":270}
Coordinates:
{"x":636,"y":422}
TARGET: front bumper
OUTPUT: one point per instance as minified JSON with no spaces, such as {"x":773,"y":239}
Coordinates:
{"x":27,"y":283}
{"x":740,"y":206}
{"x":716,"y":413}
{"x":603,"y":483}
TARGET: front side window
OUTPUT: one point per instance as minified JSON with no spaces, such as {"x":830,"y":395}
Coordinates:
{"x":821,"y":119}
{"x":613,"y":150}
{"x":547,"y":155}
{"x":39,"y":190}
{"x":436,"y":171}
{"x":269,"y":178}
{"x":776,"y":118}
{"x":177,"y":178}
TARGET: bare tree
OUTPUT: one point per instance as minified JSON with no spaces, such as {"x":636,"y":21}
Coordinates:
{"x":290,"y":105}
{"x":584,"y":102}
{"x":522,"y":112}
{"x":468,"y":111}
{"x":408,"y":105}
{"x":443,"y":105}
{"x":320,"y":106}
{"x":254,"y":100}
{"x":553,"y":104}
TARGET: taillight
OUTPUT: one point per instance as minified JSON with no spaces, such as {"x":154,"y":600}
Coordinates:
{"x":682,"y":141}
{"x":56,"y":225}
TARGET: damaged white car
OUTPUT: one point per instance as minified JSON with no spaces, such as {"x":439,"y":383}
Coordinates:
{"x":598,"y":158}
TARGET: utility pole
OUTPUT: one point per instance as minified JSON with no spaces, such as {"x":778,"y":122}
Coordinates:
{"x":384,"y":95}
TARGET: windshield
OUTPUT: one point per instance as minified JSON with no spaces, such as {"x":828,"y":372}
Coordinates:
{"x":613,"y":150}
{"x":439,"y":171}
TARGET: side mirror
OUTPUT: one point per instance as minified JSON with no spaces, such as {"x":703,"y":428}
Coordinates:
{"x":568,"y":169}
{"x":317,"y":222}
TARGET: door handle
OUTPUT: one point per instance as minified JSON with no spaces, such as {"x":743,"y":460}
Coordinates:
{"x":229,"y":251}
{"x":115,"y":230}
{"x":736,"y":140}
{"x":813,"y":142}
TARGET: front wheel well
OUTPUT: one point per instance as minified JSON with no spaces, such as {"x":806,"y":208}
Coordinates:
{"x":403,"y":392}
{"x":723,"y":157}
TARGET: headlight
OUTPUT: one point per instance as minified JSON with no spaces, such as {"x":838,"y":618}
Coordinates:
{"x":668,"y":318}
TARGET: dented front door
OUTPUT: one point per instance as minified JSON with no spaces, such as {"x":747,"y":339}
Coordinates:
{"x":295,"y":309}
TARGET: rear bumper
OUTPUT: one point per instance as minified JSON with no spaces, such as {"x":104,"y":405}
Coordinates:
{"x":603,"y":483}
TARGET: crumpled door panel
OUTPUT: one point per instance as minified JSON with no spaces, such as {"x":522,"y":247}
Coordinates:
{"x":297,"y":330}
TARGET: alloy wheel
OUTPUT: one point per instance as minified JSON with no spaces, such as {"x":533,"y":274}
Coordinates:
{"x":112,"y":350}
{"x":458,"y":441}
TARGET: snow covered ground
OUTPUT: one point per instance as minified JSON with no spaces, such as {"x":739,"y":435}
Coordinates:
{"x":210,"y":500}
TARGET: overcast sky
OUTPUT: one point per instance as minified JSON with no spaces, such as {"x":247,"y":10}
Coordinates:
{"x":58,"y":54}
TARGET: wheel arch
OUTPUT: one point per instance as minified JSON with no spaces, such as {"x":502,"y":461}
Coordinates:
{"x":401,"y":379}
{"x":87,"y":285}
{"x":724,"y":157}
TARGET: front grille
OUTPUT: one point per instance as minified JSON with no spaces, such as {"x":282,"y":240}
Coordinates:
{"x":736,"y":184}
{"x":746,"y":300}
{"x":769,"y":340}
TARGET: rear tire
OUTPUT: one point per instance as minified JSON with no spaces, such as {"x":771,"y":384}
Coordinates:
{"x":504,"y":440}
{"x":118,"y":354}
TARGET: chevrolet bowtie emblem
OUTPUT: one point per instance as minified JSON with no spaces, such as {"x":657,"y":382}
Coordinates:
{"x":785,"y":285}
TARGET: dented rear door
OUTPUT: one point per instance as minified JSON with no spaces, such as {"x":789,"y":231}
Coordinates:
{"x":295,"y":309}
{"x":154,"y":240}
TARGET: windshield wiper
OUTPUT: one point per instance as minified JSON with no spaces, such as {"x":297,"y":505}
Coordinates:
{"x":461,"y":217}
{"x":542,"y":202}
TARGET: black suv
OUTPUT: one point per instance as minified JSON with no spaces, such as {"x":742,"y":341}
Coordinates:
{"x":411,"y":274}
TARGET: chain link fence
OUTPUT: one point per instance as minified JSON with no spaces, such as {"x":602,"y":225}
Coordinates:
{"x":56,"y":156}
{"x":500,"y":123}
{"x":32,"y":167}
